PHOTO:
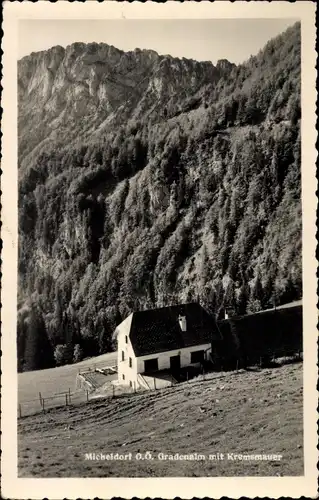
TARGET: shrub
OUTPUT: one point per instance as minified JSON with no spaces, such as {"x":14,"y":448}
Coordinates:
{"x":61,"y":354}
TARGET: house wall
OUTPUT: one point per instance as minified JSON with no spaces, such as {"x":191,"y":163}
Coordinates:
{"x":124,"y":369}
{"x":164,"y":357}
{"x":273,"y":332}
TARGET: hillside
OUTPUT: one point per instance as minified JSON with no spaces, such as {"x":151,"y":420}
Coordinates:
{"x":54,"y":381}
{"x":146,"y":180}
{"x":170,"y":421}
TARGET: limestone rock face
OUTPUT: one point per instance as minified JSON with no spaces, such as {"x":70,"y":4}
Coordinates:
{"x":224,"y":66}
{"x":65,"y":94}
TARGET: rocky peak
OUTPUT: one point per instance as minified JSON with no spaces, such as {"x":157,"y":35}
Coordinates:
{"x":60,"y":87}
{"x":224,"y":66}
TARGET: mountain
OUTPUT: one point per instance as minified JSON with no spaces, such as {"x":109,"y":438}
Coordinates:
{"x":146,"y":180}
{"x":86,"y":90}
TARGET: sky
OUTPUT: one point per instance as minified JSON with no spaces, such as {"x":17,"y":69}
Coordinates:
{"x":199,"y":39}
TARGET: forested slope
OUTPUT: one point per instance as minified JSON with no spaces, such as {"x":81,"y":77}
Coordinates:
{"x":146,"y":180}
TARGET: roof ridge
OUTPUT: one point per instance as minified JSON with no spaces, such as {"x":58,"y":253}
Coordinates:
{"x":184,"y":304}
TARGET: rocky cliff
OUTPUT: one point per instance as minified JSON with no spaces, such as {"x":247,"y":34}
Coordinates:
{"x":88,"y":89}
{"x":146,"y":180}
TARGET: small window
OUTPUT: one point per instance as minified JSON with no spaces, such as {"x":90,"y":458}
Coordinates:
{"x":130,"y":362}
{"x":126,"y":339}
{"x":151,"y":365}
{"x":123,"y":356}
{"x":130,"y":383}
{"x":123,"y":377}
{"x":197,"y":357}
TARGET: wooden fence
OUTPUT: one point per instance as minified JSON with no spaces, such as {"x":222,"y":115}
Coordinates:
{"x":43,"y":403}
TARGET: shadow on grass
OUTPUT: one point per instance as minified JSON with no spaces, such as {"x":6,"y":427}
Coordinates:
{"x":277,"y":363}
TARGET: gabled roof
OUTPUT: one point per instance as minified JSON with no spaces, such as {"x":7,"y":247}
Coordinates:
{"x":158,"y":330}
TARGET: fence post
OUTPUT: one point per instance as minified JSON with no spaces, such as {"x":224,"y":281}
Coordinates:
{"x":87,"y":395}
{"x":40,"y":398}
{"x":69,"y":396}
{"x":113,"y":390}
{"x":20,"y":412}
{"x":43,"y":405}
{"x":66,"y":399}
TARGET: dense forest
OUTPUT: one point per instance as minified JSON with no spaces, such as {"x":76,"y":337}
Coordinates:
{"x":146,"y":180}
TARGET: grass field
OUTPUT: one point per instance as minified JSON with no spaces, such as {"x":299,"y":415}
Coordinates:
{"x":55,"y":380}
{"x":245,"y":412}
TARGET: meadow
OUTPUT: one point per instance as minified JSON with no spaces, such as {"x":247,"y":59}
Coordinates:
{"x":245,"y":412}
{"x":56,"y":380}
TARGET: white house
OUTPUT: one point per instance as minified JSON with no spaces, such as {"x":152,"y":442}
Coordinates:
{"x":158,"y":341}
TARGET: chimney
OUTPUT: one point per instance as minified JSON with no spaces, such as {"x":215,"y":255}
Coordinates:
{"x":182,"y":322}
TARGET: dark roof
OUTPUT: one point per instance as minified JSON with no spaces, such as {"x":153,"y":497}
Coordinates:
{"x":158,"y":330}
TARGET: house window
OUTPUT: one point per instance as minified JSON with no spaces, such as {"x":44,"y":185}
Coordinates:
{"x":197,"y":357}
{"x":130,"y":362}
{"x":123,"y":356}
{"x":151,"y":365}
{"x":126,"y":339}
{"x":123,"y":376}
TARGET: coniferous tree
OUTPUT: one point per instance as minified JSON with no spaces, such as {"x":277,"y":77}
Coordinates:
{"x":22,"y":332}
{"x":38,"y":349}
{"x":243,"y":298}
{"x":69,"y":339}
{"x":78,"y":353}
{"x":256,"y":296}
{"x":230,"y":298}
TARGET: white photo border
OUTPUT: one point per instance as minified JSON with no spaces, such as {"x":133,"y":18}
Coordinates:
{"x":215,"y":487}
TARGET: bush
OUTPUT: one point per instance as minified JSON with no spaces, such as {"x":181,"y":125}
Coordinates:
{"x":61,"y":354}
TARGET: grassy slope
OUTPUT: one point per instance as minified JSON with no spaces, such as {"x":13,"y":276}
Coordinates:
{"x":55,"y":380}
{"x":245,"y":412}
